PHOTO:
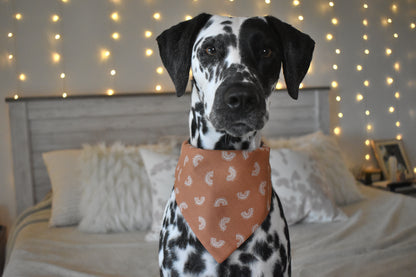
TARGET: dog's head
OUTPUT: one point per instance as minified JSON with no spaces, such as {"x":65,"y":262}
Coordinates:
{"x":236,"y":64}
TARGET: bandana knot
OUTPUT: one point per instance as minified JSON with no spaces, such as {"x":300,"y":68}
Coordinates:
{"x":224,"y":196}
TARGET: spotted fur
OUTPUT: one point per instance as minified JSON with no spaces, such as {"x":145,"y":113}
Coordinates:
{"x":236,"y":64}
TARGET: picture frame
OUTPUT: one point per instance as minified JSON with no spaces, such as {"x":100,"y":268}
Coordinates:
{"x":383,"y":150}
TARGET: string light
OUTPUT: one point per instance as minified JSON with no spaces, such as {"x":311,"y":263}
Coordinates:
{"x":338,"y":98}
{"x":149,"y":52}
{"x":397,"y":95}
{"x":365,"y":6}
{"x":334,"y":21}
{"x":18,"y":16}
{"x":62,"y":75}
{"x":337,"y":131}
{"x":334,"y":84}
{"x":399,"y":137}
{"x":389,"y":80}
{"x":114,"y":16}
{"x":110,"y":92}
{"x":367,"y":157}
{"x":359,"y":67}
{"x":113,"y":72}
{"x":366,"y":51}
{"x":10,"y":35}
{"x":159,"y":70}
{"x":331,"y":4}
{"x":391,"y":109}
{"x":300,"y":17}
{"x":338,"y":51}
{"x":15,"y":97}
{"x":412,"y":25}
{"x":335,"y":67}
{"x":64,"y":95}
{"x":115,"y":35}
{"x":366,"y":83}
{"x":340,"y":115}
{"x":10,"y":57}
{"x":57,"y":36}
{"x":157,"y":16}
{"x":359,"y":97}
{"x":388,"y":51}
{"x":55,"y":18}
{"x":329,"y":36}
{"x":367,"y":142}
{"x":295,"y":3}
{"x":158,"y":87}
{"x":147,"y":34}
{"x":22,"y":77}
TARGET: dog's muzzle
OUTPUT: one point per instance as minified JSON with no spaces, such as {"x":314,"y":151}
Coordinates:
{"x":239,"y":108}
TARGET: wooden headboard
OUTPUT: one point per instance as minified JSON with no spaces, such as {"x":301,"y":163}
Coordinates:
{"x":42,"y":124}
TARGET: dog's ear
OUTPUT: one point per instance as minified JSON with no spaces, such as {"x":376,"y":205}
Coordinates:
{"x":175,"y":47}
{"x":297,"y":53}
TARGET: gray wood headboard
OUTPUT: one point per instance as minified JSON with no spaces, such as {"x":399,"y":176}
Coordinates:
{"x":42,"y":124}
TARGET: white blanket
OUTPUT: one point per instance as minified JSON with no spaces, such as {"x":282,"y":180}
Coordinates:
{"x":379,"y":239}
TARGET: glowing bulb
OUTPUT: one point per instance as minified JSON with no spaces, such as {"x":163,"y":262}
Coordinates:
{"x":334,"y":67}
{"x":113,"y":72}
{"x":22,"y":77}
{"x":110,"y":92}
{"x":64,"y":95}
{"x":338,"y":98}
{"x":365,"y":6}
{"x":391,"y":109}
{"x":18,"y":16}
{"x":397,"y":66}
{"x":397,"y":123}
{"x":359,"y":97}
{"x":188,"y":17}
{"x":334,"y":21}
{"x":367,"y":112}
{"x":359,"y":67}
{"x":388,"y":51}
{"x":389,"y":80}
{"x":56,"y":57}
{"x":55,"y":18}
{"x":412,"y":25}
{"x":147,"y":34}
{"x":329,"y":36}
{"x":399,"y":137}
{"x":365,"y":37}
{"x":397,"y":95}
{"x":115,"y":35}
{"x":395,"y":35}
{"x":295,"y":3}
{"x":300,"y":17}
{"x":10,"y":35}
{"x":62,"y":75}
{"x":389,"y":20}
{"x":367,"y":157}
{"x":158,"y":88}
{"x":279,"y":85}
{"x":366,"y":83}
{"x":366,"y":51}
{"x":57,"y":36}
{"x":10,"y":57}
{"x":149,"y":52}
{"x":157,"y":16}
{"x":365,"y":22}
{"x":337,"y":131}
{"x":340,"y":115}
{"x":369,"y":127}
{"x":114,"y":16}
{"x":267,"y":1}
{"x":15,"y":97}
{"x":338,"y":51}
{"x":331,"y":4}
{"x":159,"y":70}
{"x":414,"y":170}
{"x":105,"y":54}
{"x":367,"y":142}
{"x":334,"y":84}
{"x":394,"y":7}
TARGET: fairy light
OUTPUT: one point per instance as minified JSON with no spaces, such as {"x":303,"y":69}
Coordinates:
{"x":267,"y":1}
{"x":22,"y":77}
{"x":159,"y":70}
{"x":329,"y":36}
{"x":15,"y":97}
{"x":338,"y":51}
{"x":366,"y":83}
{"x":397,"y":95}
{"x":366,"y":51}
{"x":279,"y":85}
{"x":412,"y":25}
{"x":365,"y":6}
{"x":340,"y":115}
{"x":338,"y":98}
{"x":300,"y":17}
{"x":365,"y":22}
{"x":56,"y":57}
{"x":149,"y":52}
{"x":158,"y":87}
{"x":367,"y":112}
{"x":147,"y":34}
{"x":397,"y":66}
{"x":331,"y":4}
{"x":359,"y":97}
{"x":57,"y":36}
{"x":389,"y":80}
{"x":367,"y":157}
{"x":18,"y":16}
{"x":334,"y":84}
{"x":295,"y":3}
{"x":397,"y":123}
{"x":62,"y":75}
{"x":334,"y":21}
{"x":395,"y":35}
{"x":388,"y":51}
{"x":114,"y":16}
{"x":55,"y":18}
{"x":335,"y":67}
{"x":399,"y":137}
{"x":10,"y":57}
{"x":115,"y":36}
{"x":113,"y":72}
{"x":157,"y":16}
{"x":64,"y":95}
{"x":337,"y":131}
{"x":365,"y":37}
{"x":367,"y":142}
{"x":110,"y":92}
{"x":359,"y":67}
{"x":10,"y":35}
{"x":369,"y":127}
{"x":391,"y":109}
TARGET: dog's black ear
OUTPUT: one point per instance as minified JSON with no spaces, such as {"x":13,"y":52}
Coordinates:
{"x":297,"y":53}
{"x":175,"y":47}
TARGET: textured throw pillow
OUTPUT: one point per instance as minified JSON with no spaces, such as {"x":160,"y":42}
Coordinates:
{"x":115,"y":193}
{"x":297,"y":181}
{"x":325,"y":150}
{"x":64,"y":174}
{"x":160,"y":168}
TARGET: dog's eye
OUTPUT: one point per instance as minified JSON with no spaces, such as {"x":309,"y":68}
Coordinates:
{"x":211,"y":50}
{"x":266,"y":53}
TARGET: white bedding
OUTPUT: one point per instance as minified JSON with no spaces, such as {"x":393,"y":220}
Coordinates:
{"x":378,"y":239}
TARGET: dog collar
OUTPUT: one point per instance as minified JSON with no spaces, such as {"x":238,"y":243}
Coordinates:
{"x":224,"y":196}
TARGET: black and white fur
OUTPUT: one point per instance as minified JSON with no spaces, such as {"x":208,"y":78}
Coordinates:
{"x":236,"y":64}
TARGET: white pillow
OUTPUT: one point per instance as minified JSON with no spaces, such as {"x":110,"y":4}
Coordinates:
{"x":64,"y":174}
{"x":325,"y":150}
{"x":160,"y":168}
{"x":115,"y":196}
{"x":297,"y":180}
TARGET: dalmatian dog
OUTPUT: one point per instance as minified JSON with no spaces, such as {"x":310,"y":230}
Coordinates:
{"x":235,"y":64}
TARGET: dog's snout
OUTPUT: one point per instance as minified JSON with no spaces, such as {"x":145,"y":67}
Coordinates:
{"x":241,"y":98}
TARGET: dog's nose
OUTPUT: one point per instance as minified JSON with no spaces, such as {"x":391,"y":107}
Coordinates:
{"x":241,"y":98}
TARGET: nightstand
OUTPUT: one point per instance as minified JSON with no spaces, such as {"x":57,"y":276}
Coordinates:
{"x":3,"y":240}
{"x":404,"y":187}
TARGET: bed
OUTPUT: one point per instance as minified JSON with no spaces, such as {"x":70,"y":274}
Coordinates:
{"x":352,"y":231}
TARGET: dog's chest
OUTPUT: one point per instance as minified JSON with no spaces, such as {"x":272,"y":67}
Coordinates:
{"x":265,"y":253}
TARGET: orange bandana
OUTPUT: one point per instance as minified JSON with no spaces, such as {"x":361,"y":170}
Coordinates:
{"x":223,"y":195}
